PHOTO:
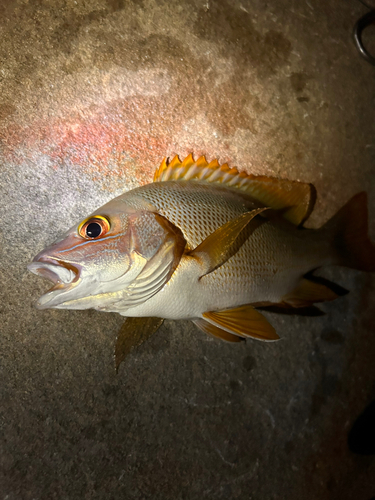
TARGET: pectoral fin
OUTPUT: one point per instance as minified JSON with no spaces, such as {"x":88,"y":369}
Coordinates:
{"x":214,"y":331}
{"x":244,"y":321}
{"x":133,"y":333}
{"x":222,"y":244}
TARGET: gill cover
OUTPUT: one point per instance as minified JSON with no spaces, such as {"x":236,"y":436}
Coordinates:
{"x":160,"y":264}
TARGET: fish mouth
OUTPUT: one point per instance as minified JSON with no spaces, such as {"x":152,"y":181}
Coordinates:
{"x":63,"y":275}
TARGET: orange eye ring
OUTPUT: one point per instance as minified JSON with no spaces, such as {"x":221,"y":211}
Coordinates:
{"x":94,"y":228}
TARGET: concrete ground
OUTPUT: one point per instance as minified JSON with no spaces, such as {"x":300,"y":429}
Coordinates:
{"x":93,"y":95}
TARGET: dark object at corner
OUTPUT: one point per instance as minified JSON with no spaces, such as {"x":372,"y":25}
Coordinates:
{"x":361,"y":24}
{"x":361,"y":438}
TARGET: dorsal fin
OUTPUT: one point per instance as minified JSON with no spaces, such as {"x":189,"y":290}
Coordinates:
{"x":296,"y":199}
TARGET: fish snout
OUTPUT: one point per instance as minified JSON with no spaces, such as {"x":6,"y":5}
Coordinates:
{"x":62,"y":274}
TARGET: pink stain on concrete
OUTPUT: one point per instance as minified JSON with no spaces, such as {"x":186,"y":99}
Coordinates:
{"x":101,"y":148}
{"x":103,"y":141}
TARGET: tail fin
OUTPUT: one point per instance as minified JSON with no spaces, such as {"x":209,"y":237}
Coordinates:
{"x":349,"y":229}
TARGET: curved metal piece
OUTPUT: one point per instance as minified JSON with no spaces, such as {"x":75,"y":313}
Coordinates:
{"x":361,"y":24}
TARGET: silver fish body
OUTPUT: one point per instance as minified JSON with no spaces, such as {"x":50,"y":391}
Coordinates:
{"x":266,"y":267}
{"x":206,"y":243}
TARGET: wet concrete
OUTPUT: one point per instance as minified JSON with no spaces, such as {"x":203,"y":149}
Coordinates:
{"x":93,"y":95}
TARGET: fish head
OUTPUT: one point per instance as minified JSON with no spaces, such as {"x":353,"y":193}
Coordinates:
{"x":93,"y":263}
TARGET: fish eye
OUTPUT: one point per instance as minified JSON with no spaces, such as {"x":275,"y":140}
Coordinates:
{"x":94,"y":228}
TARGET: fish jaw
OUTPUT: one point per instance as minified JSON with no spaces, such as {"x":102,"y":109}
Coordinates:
{"x":74,"y":286}
{"x":64,"y":276}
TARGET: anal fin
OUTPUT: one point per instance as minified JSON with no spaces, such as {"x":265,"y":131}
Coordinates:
{"x":214,"y":331}
{"x":244,"y":321}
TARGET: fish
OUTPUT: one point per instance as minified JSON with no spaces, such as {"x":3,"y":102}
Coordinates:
{"x":207,"y":243}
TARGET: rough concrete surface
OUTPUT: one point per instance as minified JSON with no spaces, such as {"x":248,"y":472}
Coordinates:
{"x":93,"y":95}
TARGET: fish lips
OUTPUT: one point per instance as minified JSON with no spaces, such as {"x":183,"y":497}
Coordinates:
{"x":63,"y":275}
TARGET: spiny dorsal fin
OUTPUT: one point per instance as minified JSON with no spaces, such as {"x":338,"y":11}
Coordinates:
{"x":296,"y":199}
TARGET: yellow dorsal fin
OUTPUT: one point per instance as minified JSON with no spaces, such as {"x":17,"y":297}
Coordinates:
{"x":295,"y":199}
{"x":244,"y":321}
{"x":175,"y":162}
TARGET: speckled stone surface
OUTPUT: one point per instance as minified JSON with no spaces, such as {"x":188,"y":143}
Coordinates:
{"x":93,"y":95}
